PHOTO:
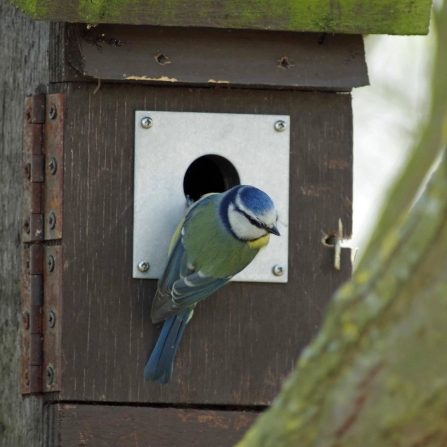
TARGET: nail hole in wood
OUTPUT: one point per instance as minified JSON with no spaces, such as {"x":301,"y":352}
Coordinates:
{"x":162,"y":59}
{"x":285,"y":63}
{"x":329,"y":240}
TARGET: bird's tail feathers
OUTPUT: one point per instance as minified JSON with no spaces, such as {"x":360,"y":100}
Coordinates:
{"x":160,"y":364}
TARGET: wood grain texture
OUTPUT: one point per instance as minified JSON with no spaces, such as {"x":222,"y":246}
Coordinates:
{"x":243,"y":341}
{"x":334,"y":16}
{"x":122,"y":426}
{"x":23,"y":49}
{"x":212,"y":56}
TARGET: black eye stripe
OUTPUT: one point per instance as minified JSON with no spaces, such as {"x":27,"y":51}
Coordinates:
{"x":251,"y":220}
{"x":254,"y":222}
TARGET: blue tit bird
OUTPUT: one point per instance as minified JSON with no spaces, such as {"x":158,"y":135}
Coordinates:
{"x":220,"y":235}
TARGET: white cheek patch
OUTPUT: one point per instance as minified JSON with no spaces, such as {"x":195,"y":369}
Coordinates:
{"x":241,"y":226}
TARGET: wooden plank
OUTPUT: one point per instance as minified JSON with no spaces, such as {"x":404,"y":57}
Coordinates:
{"x":123,"y":426}
{"x":24,"y":65}
{"x":212,"y":56}
{"x":243,"y":342}
{"x":333,"y":16}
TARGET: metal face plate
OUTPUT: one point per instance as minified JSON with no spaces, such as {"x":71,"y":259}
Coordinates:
{"x":163,"y":153}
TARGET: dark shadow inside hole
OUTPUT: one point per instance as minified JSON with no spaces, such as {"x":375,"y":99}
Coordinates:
{"x":209,"y":173}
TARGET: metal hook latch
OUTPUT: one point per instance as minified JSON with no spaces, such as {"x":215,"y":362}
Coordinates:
{"x":335,"y":241}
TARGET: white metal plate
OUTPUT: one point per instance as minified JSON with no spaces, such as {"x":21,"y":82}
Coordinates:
{"x":164,"y":152}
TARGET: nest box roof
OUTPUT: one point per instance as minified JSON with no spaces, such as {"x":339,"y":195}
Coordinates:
{"x":328,"y":16}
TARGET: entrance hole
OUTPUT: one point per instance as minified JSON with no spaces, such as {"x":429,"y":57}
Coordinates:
{"x":209,"y":173}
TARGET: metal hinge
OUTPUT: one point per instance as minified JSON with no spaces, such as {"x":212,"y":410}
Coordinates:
{"x":42,"y":260}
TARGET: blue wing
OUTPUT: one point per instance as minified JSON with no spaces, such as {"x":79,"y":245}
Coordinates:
{"x":181,"y":286}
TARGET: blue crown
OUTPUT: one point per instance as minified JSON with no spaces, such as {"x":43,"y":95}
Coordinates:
{"x":255,"y":199}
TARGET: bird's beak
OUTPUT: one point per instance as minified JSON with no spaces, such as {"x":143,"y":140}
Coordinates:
{"x":274,"y":230}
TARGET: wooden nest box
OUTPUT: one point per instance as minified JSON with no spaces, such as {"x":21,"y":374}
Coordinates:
{"x":203,"y":70}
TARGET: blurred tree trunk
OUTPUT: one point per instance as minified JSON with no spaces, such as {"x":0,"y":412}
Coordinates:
{"x":376,"y":374}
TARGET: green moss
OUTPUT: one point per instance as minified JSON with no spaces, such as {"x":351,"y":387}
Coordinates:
{"x":97,"y":11}
{"x":342,"y":16}
{"x":37,"y":9}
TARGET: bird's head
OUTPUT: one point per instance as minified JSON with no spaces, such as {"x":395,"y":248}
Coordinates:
{"x":251,"y":213}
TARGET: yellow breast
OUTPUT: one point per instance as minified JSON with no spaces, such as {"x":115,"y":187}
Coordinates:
{"x":259,"y":243}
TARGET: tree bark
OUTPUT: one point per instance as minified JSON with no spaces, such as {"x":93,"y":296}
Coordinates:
{"x":376,"y":372}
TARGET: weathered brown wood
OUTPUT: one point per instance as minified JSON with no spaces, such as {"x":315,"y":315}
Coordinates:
{"x":212,"y":56}
{"x":243,"y":341}
{"x":94,"y":425}
{"x":24,"y":65}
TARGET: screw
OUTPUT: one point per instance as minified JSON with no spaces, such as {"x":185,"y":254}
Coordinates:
{"x":50,"y":375}
{"x":280,"y":126}
{"x":146,"y":122}
{"x":50,"y":263}
{"x":52,"y":318}
{"x":52,"y":112}
{"x":52,"y":165}
{"x":52,"y":220}
{"x":25,"y":319}
{"x":278,"y":270}
{"x":143,"y":266}
{"x":27,"y":226}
